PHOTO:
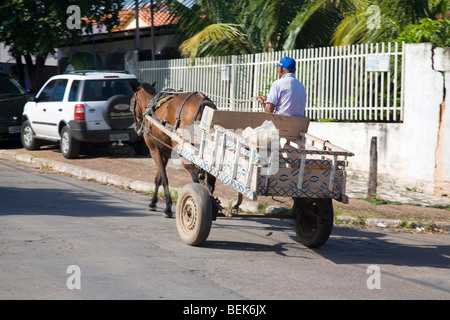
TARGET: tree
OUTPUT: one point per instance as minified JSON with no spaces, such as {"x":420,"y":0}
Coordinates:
{"x":271,"y":25}
{"x":242,"y":26}
{"x":367,"y":21}
{"x":35,"y":28}
{"x":427,"y":30}
{"x":212,"y":28}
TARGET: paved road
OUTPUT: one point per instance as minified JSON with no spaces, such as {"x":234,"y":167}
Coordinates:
{"x":49,"y":222}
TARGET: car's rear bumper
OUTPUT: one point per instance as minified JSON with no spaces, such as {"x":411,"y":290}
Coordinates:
{"x":80,"y":133}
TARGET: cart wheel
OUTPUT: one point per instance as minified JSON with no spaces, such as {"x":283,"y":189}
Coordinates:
{"x":313,"y":221}
{"x":194,"y":214}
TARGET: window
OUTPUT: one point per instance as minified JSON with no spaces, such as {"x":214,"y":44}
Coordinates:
{"x":54,"y":91}
{"x":60,"y":90}
{"x":9,"y":87}
{"x":47,"y":92}
{"x":73,"y":93}
{"x":100,"y":90}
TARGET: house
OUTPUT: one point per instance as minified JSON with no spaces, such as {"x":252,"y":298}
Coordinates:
{"x":119,"y":49}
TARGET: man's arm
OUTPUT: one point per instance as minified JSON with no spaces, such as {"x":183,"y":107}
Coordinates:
{"x":270,"y":108}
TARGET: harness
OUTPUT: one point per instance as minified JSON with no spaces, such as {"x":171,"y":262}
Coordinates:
{"x":154,"y":105}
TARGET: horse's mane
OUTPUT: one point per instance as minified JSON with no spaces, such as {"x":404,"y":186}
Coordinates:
{"x":148,"y":88}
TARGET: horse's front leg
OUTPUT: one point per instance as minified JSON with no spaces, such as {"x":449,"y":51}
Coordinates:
{"x":152,"y":205}
{"x":165,"y":182}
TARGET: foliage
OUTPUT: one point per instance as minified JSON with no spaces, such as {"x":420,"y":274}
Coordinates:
{"x":36,"y":28}
{"x":211,"y":28}
{"x":382,"y":20}
{"x":265,"y":21}
{"x":217,"y":39}
{"x":435,"y":31}
{"x":272,"y":25}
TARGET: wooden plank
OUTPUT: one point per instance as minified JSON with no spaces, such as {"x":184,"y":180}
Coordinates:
{"x":326,"y":144}
{"x":234,"y":120}
{"x":173,"y":135}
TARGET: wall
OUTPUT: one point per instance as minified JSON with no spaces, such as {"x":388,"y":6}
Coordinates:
{"x":415,"y":153}
{"x":124,"y":46}
{"x":441,"y":63}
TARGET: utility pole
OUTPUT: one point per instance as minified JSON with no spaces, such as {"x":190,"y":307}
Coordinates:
{"x":152,"y":29}
{"x":138,"y":31}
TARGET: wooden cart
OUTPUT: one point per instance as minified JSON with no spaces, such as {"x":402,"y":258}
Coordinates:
{"x":291,"y":163}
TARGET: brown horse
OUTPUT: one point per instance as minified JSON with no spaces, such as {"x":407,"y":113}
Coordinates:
{"x":179,"y":112}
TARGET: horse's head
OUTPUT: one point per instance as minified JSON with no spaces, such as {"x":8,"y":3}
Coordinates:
{"x":142,"y":96}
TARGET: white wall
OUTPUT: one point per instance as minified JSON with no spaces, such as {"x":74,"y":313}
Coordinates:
{"x":5,"y":56}
{"x":441,"y":64}
{"x":415,"y":153}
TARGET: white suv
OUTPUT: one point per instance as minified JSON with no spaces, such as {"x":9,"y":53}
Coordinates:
{"x":83,"y":106}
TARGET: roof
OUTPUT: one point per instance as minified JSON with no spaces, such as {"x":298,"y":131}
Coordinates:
{"x":161,"y":17}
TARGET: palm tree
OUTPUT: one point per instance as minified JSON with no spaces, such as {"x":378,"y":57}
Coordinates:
{"x":211,"y":26}
{"x":365,"y":21}
{"x":217,"y":27}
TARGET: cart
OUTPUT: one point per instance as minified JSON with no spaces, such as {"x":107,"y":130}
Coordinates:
{"x":291,"y":163}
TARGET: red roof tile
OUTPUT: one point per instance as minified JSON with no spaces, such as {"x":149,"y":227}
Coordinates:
{"x":161,"y":17}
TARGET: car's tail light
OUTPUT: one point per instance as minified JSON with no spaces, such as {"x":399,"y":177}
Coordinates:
{"x":79,"y":112}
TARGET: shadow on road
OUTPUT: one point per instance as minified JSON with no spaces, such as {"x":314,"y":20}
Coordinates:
{"x":350,"y":245}
{"x":32,"y":201}
{"x":370,"y":246}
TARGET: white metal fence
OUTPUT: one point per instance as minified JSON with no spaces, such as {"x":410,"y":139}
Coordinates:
{"x":351,"y":83}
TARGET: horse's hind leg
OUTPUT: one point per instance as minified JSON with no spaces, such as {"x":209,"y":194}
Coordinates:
{"x":210,"y":182}
{"x":193,"y":170}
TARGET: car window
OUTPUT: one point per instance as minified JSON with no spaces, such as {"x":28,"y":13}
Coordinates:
{"x":101,"y":90}
{"x":47,"y":92}
{"x":74,"y":89}
{"x":60,"y":89}
{"x":9,"y":87}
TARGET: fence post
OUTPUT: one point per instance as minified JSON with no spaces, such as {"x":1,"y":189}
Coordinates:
{"x":233,"y":83}
{"x":372,"y":186}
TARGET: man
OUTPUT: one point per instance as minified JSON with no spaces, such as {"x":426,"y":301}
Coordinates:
{"x":287,"y":95}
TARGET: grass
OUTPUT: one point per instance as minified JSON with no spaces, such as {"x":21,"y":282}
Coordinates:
{"x":375,"y":201}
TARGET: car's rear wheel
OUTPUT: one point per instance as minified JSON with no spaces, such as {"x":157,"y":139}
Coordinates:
{"x":70,"y":147}
{"x":28,"y":138}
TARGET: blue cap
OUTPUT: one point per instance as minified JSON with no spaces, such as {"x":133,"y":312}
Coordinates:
{"x":287,"y":63}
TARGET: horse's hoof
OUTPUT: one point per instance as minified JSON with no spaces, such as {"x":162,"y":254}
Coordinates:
{"x":168,"y":215}
{"x":151,"y":208}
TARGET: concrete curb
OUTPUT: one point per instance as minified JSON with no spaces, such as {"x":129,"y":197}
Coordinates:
{"x":140,"y":186}
{"x":391,"y":223}
{"x":79,"y":172}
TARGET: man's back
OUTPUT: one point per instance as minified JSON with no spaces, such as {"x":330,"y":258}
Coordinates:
{"x":288,"y":95}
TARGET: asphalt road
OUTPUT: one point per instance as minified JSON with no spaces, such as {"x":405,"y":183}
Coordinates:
{"x":51,"y":222}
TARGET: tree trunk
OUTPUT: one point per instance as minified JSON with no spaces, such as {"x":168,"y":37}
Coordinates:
{"x":40,"y":72}
{"x":36,"y":71}
{"x":20,"y":71}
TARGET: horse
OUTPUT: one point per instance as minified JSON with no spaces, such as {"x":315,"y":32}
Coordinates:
{"x":176,"y":112}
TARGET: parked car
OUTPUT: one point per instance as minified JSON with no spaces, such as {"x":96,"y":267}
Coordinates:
{"x":12,"y":100}
{"x":82,"y":107}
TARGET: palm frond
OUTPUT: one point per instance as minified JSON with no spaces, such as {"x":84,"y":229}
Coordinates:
{"x":321,"y":16}
{"x":217,"y":40}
